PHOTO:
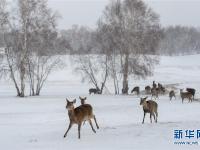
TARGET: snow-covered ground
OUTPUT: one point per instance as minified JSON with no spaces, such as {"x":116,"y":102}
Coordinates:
{"x":39,"y":123}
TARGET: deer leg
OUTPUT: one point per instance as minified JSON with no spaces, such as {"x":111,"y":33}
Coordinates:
{"x":84,"y":122}
{"x":70,"y":125}
{"x":154,"y":117}
{"x":79,"y":130}
{"x":151,"y":117}
{"x":157,"y":96}
{"x":91,"y":126}
{"x":143,"y":117}
{"x":95,"y":120}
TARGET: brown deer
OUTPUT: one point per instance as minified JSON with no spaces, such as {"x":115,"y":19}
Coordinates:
{"x":78,"y":115}
{"x":172,"y":94}
{"x":83,"y":103}
{"x":148,"y":90}
{"x":187,"y":95}
{"x":159,"y":85}
{"x":82,"y":100}
{"x":94,"y":90}
{"x":161,"y":88}
{"x":154,"y":85}
{"x":149,"y":107}
{"x":154,"y":92}
{"x":136,"y":89}
{"x":192,"y":91}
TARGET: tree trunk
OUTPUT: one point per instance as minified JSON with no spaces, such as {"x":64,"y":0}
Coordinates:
{"x":125,"y":76}
{"x":22,"y":78}
{"x":37,"y":92}
{"x":105,"y":77}
{"x":12,"y":72}
{"x":102,"y":87}
{"x":116,"y":85}
{"x":114,"y":74}
{"x":15,"y":83}
{"x":31,"y":78}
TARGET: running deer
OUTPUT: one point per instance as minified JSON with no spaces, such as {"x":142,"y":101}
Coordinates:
{"x":78,"y":115}
{"x":172,"y":94}
{"x":149,"y":107}
{"x":187,"y":95}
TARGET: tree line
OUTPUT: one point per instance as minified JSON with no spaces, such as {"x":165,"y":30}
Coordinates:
{"x":180,"y":40}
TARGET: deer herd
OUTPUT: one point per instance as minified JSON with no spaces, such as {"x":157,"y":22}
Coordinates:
{"x":84,"y":112}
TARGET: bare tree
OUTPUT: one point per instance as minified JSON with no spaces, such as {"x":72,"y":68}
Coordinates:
{"x":19,"y":26}
{"x":42,"y":60}
{"x":93,"y":67}
{"x":39,"y":69}
{"x":135,"y":32}
{"x":107,"y":47}
{"x":42,"y":46}
{"x":29,"y":39}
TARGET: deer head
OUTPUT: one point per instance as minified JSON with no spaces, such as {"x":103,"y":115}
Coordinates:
{"x":70,"y":105}
{"x":142,"y":100}
{"x":82,"y":100}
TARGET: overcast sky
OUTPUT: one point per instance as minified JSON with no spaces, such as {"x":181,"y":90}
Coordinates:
{"x":87,"y":12}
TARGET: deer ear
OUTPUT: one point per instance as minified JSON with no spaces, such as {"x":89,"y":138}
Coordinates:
{"x":67,"y":100}
{"x":74,"y":101}
{"x":85,"y":98}
{"x":146,"y":97}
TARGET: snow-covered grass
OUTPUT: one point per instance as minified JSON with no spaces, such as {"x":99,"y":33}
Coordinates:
{"x":39,"y":123}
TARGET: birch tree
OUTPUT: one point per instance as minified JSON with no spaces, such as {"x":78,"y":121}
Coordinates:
{"x":135,"y":32}
{"x":29,"y":39}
